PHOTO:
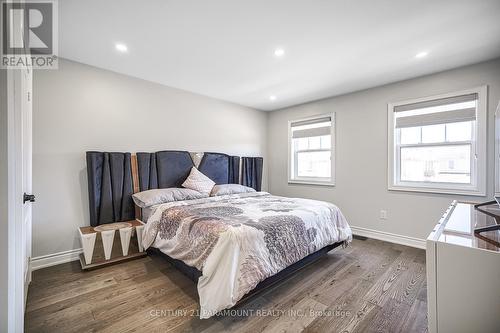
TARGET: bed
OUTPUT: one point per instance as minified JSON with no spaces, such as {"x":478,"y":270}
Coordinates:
{"x":233,"y":246}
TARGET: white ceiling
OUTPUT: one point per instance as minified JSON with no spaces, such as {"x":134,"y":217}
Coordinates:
{"x":225,"y":48}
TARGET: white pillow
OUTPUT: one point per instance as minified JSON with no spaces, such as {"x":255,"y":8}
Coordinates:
{"x":198,"y":182}
{"x":163,"y":195}
{"x":230,"y":189}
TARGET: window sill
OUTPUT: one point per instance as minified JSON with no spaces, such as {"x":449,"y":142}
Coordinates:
{"x":450,"y":191}
{"x":311,"y":182}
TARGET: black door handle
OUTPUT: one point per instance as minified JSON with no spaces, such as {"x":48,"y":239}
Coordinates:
{"x":28,"y":197}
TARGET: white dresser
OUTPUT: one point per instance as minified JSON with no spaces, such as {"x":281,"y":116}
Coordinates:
{"x":463,"y":273}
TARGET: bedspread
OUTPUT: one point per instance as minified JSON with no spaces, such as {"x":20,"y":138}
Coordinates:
{"x":239,"y":240}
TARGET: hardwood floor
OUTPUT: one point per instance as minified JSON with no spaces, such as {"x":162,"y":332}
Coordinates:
{"x":371,"y":286}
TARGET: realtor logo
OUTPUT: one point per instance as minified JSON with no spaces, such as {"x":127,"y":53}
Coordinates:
{"x":29,"y":34}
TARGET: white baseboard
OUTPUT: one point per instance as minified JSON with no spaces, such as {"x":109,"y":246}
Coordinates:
{"x":388,"y":237}
{"x":55,"y":259}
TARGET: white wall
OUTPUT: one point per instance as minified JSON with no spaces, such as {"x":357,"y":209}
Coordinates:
{"x":3,"y":203}
{"x":79,"y":108}
{"x":361,"y":166}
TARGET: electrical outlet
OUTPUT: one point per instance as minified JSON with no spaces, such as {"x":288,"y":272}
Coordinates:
{"x":383,"y":214}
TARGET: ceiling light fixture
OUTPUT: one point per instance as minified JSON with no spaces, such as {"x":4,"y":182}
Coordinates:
{"x":279,"y":52}
{"x":121,"y":47}
{"x":272,"y":98}
{"x":422,"y":54}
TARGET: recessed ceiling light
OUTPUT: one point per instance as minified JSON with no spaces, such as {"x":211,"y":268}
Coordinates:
{"x":422,"y":54}
{"x":121,"y":47}
{"x":272,"y":98}
{"x":279,"y":52}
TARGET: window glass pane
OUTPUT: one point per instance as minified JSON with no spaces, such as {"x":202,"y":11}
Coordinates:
{"x":326,"y":141}
{"x":433,"y":133}
{"x":315,"y":142}
{"x":314,"y":164}
{"x":443,"y":164}
{"x":301,"y":143}
{"x":459,"y":131}
{"x":410,"y":135}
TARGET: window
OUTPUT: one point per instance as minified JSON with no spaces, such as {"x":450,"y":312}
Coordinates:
{"x":311,"y":143}
{"x":438,"y":144}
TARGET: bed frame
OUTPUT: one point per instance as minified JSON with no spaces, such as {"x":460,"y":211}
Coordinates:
{"x":114,"y":177}
{"x":194,"y":274}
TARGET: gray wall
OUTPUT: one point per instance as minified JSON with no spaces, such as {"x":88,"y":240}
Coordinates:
{"x":79,"y":108}
{"x":3,"y":202}
{"x":361,"y":166}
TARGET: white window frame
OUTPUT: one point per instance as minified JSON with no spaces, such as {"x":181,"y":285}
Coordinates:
{"x":313,"y":181}
{"x":479,"y":147}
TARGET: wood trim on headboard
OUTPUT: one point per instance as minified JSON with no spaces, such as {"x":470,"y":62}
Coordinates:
{"x":135,"y":182}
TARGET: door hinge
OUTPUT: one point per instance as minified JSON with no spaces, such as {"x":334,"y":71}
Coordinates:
{"x":29,"y":96}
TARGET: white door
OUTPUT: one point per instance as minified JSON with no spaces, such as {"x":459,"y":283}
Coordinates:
{"x":20,"y":133}
{"x":28,"y":197}
{"x":19,"y":92}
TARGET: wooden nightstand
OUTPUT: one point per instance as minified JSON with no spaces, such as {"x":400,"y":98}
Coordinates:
{"x":111,"y":243}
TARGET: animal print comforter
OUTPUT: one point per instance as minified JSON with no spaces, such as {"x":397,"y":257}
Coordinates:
{"x":238,"y":240}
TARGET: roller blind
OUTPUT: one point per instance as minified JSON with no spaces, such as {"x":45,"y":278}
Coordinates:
{"x":462,"y":112}
{"x":436,"y":102}
{"x":311,"y":127}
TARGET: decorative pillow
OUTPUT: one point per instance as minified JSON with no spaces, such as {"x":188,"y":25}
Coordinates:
{"x":230,"y":189}
{"x":163,"y":195}
{"x":199,"y":182}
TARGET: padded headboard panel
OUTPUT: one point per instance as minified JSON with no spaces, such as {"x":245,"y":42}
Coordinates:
{"x":221,"y":168}
{"x":163,"y":169}
{"x":251,"y":172}
{"x":110,"y":187}
{"x":170,"y":168}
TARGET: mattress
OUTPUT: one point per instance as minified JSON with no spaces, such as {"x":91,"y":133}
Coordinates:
{"x":146,"y":212}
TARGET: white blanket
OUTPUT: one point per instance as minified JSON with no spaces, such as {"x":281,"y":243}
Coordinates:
{"x":239,"y":240}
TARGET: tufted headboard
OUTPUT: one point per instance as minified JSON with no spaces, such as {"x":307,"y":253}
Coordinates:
{"x":170,"y":168}
{"x":110,"y":187}
{"x":114,"y":177}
